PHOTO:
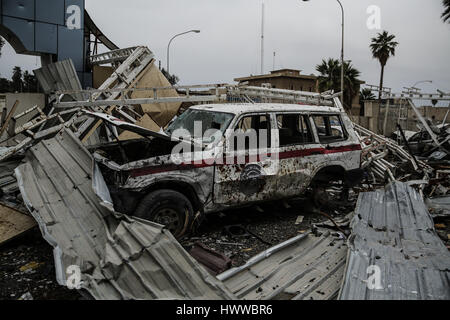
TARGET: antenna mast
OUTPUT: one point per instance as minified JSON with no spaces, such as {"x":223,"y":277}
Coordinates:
{"x":262,"y":40}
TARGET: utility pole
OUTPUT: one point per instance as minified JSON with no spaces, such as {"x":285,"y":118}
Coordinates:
{"x":342,"y":55}
{"x":262,"y":39}
{"x":274,"y":54}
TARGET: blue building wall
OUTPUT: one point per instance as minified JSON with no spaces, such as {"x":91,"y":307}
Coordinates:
{"x":38,"y":27}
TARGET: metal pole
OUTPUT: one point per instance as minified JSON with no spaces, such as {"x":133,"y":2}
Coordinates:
{"x":274,"y":54}
{"x":168,"y":46}
{"x":386,"y":115}
{"x":262,"y":40}
{"x":342,"y":54}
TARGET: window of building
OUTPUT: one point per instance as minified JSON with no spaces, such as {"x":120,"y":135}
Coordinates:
{"x":293,"y":129}
{"x":329,"y":128}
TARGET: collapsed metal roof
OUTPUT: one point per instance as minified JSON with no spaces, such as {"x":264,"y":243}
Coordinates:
{"x":393,"y":230}
{"x":59,"y":76}
{"x":439,"y":206}
{"x":119,"y":257}
{"x":308,"y":267}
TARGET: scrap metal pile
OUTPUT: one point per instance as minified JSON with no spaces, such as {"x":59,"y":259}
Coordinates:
{"x":47,"y":170}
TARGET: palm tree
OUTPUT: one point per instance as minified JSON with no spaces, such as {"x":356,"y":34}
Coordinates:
{"x":446,"y":14}
{"x":330,"y":79}
{"x":366,"y":95}
{"x":383,"y":47}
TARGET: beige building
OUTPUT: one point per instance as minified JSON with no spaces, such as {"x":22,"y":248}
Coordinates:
{"x":292,"y":79}
{"x":289,"y":79}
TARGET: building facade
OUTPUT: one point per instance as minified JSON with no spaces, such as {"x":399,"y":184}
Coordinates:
{"x":289,"y":79}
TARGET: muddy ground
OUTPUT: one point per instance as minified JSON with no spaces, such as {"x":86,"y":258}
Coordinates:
{"x":27,"y":267}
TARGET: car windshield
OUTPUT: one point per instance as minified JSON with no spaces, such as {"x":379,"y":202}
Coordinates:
{"x":206,"y":120}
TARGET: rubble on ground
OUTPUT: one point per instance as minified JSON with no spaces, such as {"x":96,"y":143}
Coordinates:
{"x":287,"y":250}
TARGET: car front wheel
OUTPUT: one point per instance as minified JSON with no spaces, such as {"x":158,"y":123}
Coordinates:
{"x":169,"y":208}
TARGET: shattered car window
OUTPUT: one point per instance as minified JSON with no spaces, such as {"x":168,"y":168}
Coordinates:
{"x":293,"y":129}
{"x":329,"y":128}
{"x":208,"y":120}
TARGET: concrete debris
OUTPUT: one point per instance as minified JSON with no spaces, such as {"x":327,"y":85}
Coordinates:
{"x":299,"y":220}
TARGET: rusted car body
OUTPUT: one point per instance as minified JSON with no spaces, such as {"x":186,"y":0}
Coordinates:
{"x":305,"y":144}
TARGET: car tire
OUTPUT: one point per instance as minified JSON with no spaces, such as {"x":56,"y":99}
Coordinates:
{"x":169,"y":208}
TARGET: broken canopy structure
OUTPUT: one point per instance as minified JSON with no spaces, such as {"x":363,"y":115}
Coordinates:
{"x":119,"y":257}
{"x":393,"y":230}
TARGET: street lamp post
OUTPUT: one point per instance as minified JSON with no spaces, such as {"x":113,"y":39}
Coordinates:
{"x":168,"y":46}
{"x":342,"y":51}
{"x":419,"y":82}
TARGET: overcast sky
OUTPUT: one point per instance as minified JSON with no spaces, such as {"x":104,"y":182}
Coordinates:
{"x":301,"y":34}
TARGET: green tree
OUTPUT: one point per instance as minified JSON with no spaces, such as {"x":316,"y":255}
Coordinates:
{"x":383,"y":47}
{"x":17,"y":82}
{"x":330,"y":79}
{"x":446,"y":14}
{"x":173,"y":79}
{"x":5,"y":85}
{"x":30,"y":82}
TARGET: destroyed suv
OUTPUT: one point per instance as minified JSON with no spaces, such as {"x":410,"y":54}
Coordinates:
{"x":297,"y":147}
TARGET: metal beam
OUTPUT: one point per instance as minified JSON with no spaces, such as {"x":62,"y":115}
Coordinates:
{"x":125,"y":102}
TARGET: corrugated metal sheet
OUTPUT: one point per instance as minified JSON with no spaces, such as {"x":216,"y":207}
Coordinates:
{"x":308,"y":267}
{"x":439,"y":206}
{"x":119,"y":257}
{"x":59,"y":76}
{"x":393,"y":230}
{"x":8,"y":182}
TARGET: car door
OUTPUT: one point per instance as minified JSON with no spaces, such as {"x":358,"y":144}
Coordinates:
{"x":299,"y":153}
{"x":247,"y":173}
{"x":338,"y":148}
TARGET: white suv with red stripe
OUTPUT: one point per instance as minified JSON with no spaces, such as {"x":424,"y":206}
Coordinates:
{"x":174,"y":183}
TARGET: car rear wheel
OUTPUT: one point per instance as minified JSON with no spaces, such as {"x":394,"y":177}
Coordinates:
{"x":330,"y":195}
{"x":169,"y":208}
